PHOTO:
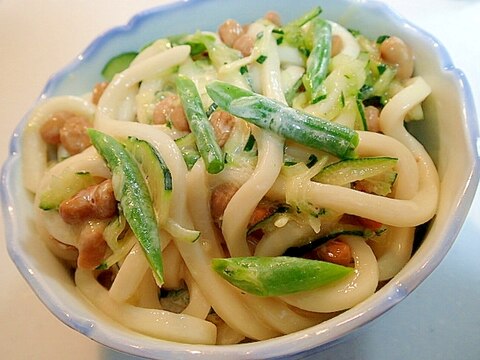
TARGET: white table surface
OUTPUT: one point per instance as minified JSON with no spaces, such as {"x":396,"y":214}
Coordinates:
{"x":440,"y":320}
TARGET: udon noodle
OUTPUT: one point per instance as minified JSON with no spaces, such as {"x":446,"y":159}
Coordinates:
{"x":274,"y":197}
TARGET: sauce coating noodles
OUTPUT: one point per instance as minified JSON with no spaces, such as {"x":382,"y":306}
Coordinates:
{"x":272,"y":197}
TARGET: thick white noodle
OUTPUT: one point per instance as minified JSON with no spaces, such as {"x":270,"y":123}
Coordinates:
{"x":393,"y":114}
{"x":350,"y":45}
{"x":146,"y":98}
{"x":273,"y":312}
{"x":240,"y":208}
{"x":34,"y":149}
{"x":279,"y":315}
{"x":375,"y":144}
{"x":120,"y":86}
{"x":415,"y":211}
{"x":395,"y":249}
{"x":51,"y":221}
{"x":347,"y":292}
{"x":153,"y":322}
{"x":225,"y":299}
{"x":147,"y":293}
{"x":127,"y":110}
{"x":394,"y":252}
{"x":270,"y":160}
{"x":173,"y":267}
{"x":198,"y":305}
{"x":413,"y":202}
{"x":276,"y":242}
{"x":130,"y":275}
{"x":155,"y":48}
{"x":290,"y":55}
{"x":400,"y":240}
{"x":228,"y":336}
{"x":198,"y":198}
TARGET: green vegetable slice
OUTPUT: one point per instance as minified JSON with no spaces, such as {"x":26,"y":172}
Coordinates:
{"x":64,"y":187}
{"x":284,"y":120}
{"x":318,"y":60}
{"x":159,"y":182}
{"x":293,"y":32}
{"x":199,"y":125}
{"x":131,"y":191}
{"x":117,"y":64}
{"x":380,"y":184}
{"x":374,"y":175}
{"x":277,"y":276}
{"x":312,"y":245}
{"x":123,"y":248}
{"x":156,"y":174}
{"x":189,"y":150}
{"x":361,"y":119}
{"x":114,"y":230}
{"x":350,"y":170}
{"x":181,"y":233}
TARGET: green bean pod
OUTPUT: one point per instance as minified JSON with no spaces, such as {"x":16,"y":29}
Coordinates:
{"x":131,"y":191}
{"x":318,"y":60}
{"x":278,"y":276}
{"x":200,"y":126}
{"x":290,"y":123}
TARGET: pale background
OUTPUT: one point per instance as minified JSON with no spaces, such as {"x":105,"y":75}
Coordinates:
{"x":440,"y":320}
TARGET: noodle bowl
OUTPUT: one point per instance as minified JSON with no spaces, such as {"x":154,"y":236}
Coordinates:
{"x":241,"y":316}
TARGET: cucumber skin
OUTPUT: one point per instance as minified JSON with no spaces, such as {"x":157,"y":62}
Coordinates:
{"x":134,"y":197}
{"x":147,"y":156}
{"x":344,"y":169}
{"x":52,"y":198}
{"x":117,"y":64}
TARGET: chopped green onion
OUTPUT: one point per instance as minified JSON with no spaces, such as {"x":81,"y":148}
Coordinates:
{"x":261,"y":59}
{"x":382,"y":38}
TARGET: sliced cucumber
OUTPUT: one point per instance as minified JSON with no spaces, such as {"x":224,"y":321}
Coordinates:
{"x":377,"y":171}
{"x":114,"y":230}
{"x":268,"y":224}
{"x":189,"y":150}
{"x":299,"y":251}
{"x":64,"y":187}
{"x":120,"y":252}
{"x":180,"y":233}
{"x":156,"y":174}
{"x":381,"y":86}
{"x":117,"y":64}
{"x":361,"y":119}
{"x":380,"y":184}
{"x":131,"y":190}
{"x":159,"y":182}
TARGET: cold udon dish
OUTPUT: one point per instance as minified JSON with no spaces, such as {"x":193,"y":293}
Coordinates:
{"x":232,"y":186}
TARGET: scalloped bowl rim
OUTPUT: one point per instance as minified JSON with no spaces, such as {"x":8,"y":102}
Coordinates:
{"x":396,"y":290}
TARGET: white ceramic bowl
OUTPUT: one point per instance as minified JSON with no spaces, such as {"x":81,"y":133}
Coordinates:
{"x":449,"y":134}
